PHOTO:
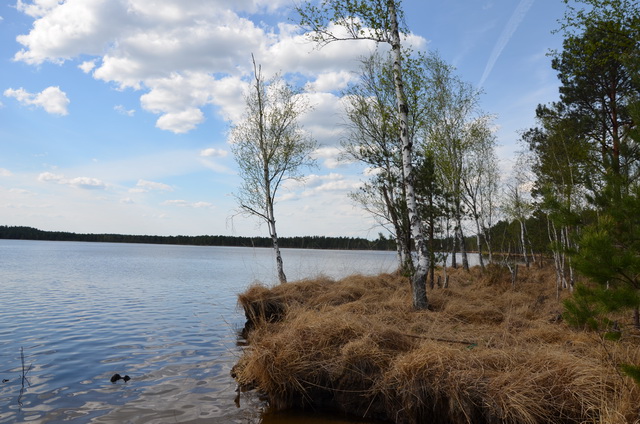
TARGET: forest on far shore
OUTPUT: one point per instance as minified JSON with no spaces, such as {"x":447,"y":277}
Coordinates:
{"x":304,"y":242}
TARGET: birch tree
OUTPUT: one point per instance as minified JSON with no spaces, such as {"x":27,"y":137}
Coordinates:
{"x":480,"y":184}
{"x":372,"y":138}
{"x":561,"y":158}
{"x":379,"y":21}
{"x":517,"y":204}
{"x":453,"y":130}
{"x":270,"y":147}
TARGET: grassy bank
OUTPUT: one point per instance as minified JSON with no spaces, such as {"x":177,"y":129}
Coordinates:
{"x":488,"y":352}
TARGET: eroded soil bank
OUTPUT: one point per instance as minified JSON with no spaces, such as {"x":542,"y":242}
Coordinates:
{"x":487,"y":352}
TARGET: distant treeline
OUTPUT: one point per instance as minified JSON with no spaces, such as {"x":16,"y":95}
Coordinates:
{"x":304,"y":242}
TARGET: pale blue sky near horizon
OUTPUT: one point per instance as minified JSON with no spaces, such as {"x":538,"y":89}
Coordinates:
{"x":114,"y":113}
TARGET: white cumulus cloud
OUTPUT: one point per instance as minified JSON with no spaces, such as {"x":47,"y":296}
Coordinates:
{"x":87,"y":183}
{"x":87,"y":66}
{"x":51,"y":99}
{"x":144,"y":185}
{"x":123,"y":110}
{"x":325,"y":121}
{"x":180,"y":122}
{"x":330,"y":156}
{"x":36,"y":8}
{"x":49,"y":176}
{"x":331,"y":81}
{"x":211,"y":152}
{"x":185,"y":56}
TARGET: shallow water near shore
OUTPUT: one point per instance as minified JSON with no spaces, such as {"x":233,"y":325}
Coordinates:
{"x":164,"y":315}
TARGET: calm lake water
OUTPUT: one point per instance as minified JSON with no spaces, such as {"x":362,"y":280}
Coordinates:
{"x":164,"y":315}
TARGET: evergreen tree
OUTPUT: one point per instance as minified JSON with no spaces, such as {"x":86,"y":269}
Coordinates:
{"x":601,"y":92}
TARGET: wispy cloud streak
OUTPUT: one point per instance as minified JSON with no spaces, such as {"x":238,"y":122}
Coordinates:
{"x":516,"y":18}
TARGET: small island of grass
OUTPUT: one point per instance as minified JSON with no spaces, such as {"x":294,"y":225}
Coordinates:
{"x":488,"y":351}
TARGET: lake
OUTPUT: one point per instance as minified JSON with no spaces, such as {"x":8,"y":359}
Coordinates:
{"x":164,"y":315}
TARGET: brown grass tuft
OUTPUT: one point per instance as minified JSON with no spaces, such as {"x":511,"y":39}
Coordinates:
{"x":488,"y":352}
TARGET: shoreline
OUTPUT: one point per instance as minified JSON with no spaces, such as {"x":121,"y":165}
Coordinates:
{"x":294,"y":242}
{"x":486,"y":352}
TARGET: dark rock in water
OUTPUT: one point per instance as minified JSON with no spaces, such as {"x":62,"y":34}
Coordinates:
{"x":116,"y":377}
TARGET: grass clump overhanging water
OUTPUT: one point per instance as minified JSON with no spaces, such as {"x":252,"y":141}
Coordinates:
{"x":487,"y":352}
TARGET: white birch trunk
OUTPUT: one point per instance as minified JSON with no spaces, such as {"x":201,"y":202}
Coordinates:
{"x":279,"y":264}
{"x":271,"y":220}
{"x":419,"y":278}
{"x":524,"y":243}
{"x":463,"y":247}
{"x":553,"y":238}
{"x":479,"y":241}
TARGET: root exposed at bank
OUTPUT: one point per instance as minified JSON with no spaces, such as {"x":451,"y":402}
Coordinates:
{"x":487,"y":352}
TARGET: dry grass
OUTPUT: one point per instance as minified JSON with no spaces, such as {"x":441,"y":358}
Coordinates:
{"x":487,"y":352}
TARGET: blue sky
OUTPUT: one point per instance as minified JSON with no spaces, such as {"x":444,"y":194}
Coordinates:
{"x":114,"y":114}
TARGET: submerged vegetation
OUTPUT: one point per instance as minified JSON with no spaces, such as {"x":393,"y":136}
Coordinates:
{"x":488,"y":351}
